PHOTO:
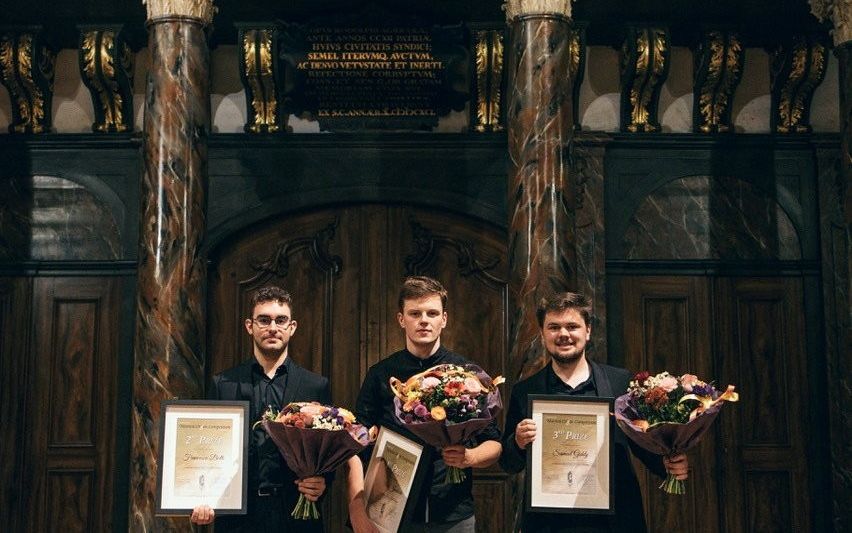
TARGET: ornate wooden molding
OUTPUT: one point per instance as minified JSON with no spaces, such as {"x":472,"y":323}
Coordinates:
{"x":839,"y":12}
{"x":577,"y":67}
{"x":525,"y":8}
{"x":644,"y":66}
{"x":259,"y":74}
{"x":27,"y":68}
{"x":426,"y":245}
{"x":202,"y":10}
{"x":489,"y":80}
{"x":797,"y":68}
{"x":106,"y":67}
{"x":718,"y":70}
{"x":278,"y":263}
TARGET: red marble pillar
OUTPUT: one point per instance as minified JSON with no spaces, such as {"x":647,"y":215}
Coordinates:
{"x":542,"y":185}
{"x":170,"y":314}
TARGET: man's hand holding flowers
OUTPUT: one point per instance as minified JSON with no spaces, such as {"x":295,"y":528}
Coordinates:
{"x":677,"y":465}
{"x":311,"y":487}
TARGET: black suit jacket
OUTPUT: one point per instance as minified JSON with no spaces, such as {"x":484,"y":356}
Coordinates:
{"x":612,"y":382}
{"x":302,"y":386}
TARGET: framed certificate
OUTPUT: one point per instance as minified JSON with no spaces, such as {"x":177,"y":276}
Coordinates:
{"x":570,"y":463}
{"x":203,"y":448}
{"x":393,"y":480}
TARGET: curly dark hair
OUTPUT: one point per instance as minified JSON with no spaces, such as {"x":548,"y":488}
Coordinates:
{"x":562,"y":301}
{"x":271,"y":293}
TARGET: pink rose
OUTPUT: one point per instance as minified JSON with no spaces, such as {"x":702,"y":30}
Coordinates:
{"x":429,"y":383}
{"x":313,"y":409}
{"x":472,"y":386}
{"x":668,"y":383}
{"x":687,"y":381}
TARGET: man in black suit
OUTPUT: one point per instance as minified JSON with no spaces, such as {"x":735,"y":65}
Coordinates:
{"x":269,"y":379}
{"x":565,"y":322}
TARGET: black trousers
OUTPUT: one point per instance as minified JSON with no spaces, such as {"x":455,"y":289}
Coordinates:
{"x":266,"y":514}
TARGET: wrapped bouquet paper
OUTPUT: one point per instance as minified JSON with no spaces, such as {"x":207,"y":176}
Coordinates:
{"x":668,"y":415}
{"x":314,"y":439}
{"x":447,"y":405}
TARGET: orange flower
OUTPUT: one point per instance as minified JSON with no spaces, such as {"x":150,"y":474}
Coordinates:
{"x":453,"y":388}
{"x":656,"y":397}
{"x":438,"y":413}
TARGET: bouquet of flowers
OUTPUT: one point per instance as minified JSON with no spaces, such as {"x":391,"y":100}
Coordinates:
{"x":446,"y":405}
{"x":668,"y":415}
{"x":314,"y":439}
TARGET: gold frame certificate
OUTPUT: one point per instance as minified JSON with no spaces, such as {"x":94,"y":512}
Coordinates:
{"x":392,"y":480}
{"x":203,"y":446}
{"x":569,"y":465}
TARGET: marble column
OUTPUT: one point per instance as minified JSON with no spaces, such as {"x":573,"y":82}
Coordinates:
{"x":543,"y":188}
{"x":170,"y":314}
{"x":836,"y":228}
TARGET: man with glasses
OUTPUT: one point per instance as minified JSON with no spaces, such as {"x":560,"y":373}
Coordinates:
{"x":270,"y":379}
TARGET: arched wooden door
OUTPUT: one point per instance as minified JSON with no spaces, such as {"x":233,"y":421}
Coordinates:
{"x":343,"y":267}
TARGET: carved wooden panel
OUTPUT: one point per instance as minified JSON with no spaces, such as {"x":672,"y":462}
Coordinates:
{"x":666,"y":327}
{"x":70,"y":496}
{"x":343,"y":268}
{"x":761,"y":334}
{"x":69,"y":456}
{"x":15,"y":314}
{"x":748,"y":332}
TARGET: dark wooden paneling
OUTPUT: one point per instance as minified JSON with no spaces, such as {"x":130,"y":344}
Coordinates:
{"x":755,"y":330}
{"x":70,"y":452}
{"x":667,"y":327}
{"x":766,"y":503}
{"x":70,"y":495}
{"x":761,"y":330}
{"x":15,"y":312}
{"x":343,"y":268}
{"x":72,"y":376}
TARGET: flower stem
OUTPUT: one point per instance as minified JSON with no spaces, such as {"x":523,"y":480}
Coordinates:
{"x":455,"y":475}
{"x":305,"y":509}
{"x":673,"y":485}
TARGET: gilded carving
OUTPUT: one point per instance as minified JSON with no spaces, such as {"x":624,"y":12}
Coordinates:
{"x":258,"y":74}
{"x":797,"y":69}
{"x":489,"y":73}
{"x":27,"y":68}
{"x":203,"y":10}
{"x":644,"y":66}
{"x":719,"y":63}
{"x":106,"y":65}
{"x":839,"y":12}
{"x":524,"y":8}
{"x":576,"y":64}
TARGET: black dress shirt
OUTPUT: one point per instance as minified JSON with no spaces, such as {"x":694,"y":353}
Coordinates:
{"x":439,"y":502}
{"x":268,"y":393}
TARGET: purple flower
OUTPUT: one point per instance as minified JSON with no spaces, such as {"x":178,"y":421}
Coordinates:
{"x":421,"y":411}
{"x":705,"y":389}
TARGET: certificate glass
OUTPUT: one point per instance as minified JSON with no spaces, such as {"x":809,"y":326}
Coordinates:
{"x":392,"y":481}
{"x":203,"y":448}
{"x":569,"y":465}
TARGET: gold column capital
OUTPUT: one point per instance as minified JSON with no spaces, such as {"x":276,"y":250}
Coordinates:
{"x":522,"y":8}
{"x":202,"y":10}
{"x":839,"y":13}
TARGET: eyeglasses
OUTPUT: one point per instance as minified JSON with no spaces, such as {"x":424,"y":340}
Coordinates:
{"x":264,"y":321}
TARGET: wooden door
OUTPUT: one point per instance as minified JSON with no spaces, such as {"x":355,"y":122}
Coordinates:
{"x":764,"y":461}
{"x":14,"y":363}
{"x":69,"y":414}
{"x":744,"y":331}
{"x":343,"y":268}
